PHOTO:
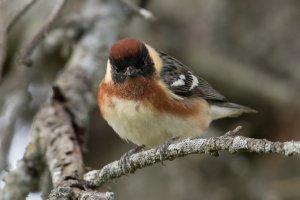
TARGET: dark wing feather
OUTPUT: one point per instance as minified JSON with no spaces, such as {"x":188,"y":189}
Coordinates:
{"x":180,"y":80}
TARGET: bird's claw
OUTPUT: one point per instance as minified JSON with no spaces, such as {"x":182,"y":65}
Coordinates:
{"x":161,"y":149}
{"x":124,"y":159}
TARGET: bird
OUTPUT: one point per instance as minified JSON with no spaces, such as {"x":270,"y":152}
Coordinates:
{"x":149,"y":97}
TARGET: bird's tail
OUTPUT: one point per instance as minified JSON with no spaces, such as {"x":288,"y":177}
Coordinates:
{"x":226,"y":109}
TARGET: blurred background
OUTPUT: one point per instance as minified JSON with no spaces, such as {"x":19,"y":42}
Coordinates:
{"x":248,"y":50}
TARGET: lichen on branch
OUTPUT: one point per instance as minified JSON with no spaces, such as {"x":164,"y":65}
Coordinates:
{"x":228,"y":142}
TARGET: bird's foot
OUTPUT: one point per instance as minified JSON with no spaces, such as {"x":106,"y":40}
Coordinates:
{"x":161,"y":149}
{"x":124,"y":159}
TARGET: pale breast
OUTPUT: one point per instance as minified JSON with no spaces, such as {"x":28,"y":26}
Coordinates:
{"x":142,"y":124}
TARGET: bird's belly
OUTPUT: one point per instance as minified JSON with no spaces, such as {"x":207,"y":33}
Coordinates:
{"x":141,"y":124}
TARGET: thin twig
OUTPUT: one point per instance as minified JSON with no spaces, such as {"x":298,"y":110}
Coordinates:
{"x":212,"y":146}
{"x":25,"y":53}
{"x":141,"y":11}
{"x":2,"y":36}
{"x":18,"y":16}
{"x":13,"y":103}
{"x":234,"y":131}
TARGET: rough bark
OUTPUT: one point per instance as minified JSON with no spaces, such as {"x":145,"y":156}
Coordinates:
{"x":228,"y":142}
{"x":60,"y":125}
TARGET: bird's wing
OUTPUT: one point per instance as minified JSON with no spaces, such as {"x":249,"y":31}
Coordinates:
{"x":181,"y":81}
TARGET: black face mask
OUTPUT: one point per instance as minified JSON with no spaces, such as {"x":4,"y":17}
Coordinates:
{"x":135,"y":65}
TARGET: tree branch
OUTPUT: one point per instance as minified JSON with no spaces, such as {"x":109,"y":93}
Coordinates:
{"x":66,"y":193}
{"x":12,"y":106}
{"x":18,"y":16}
{"x":141,"y":11}
{"x":3,"y":24}
{"x":60,"y":125}
{"x":19,"y":182}
{"x":26,"y":51}
{"x":228,"y":142}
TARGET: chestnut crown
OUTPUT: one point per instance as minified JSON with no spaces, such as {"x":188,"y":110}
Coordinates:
{"x":130,"y":58}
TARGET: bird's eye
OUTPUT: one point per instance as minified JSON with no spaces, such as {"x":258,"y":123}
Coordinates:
{"x":119,"y":68}
{"x":141,"y":63}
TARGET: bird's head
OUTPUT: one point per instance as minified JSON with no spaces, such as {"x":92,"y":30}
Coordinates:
{"x":129,"y":58}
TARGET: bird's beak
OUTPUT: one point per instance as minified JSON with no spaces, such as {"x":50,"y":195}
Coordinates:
{"x":130,"y":71}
